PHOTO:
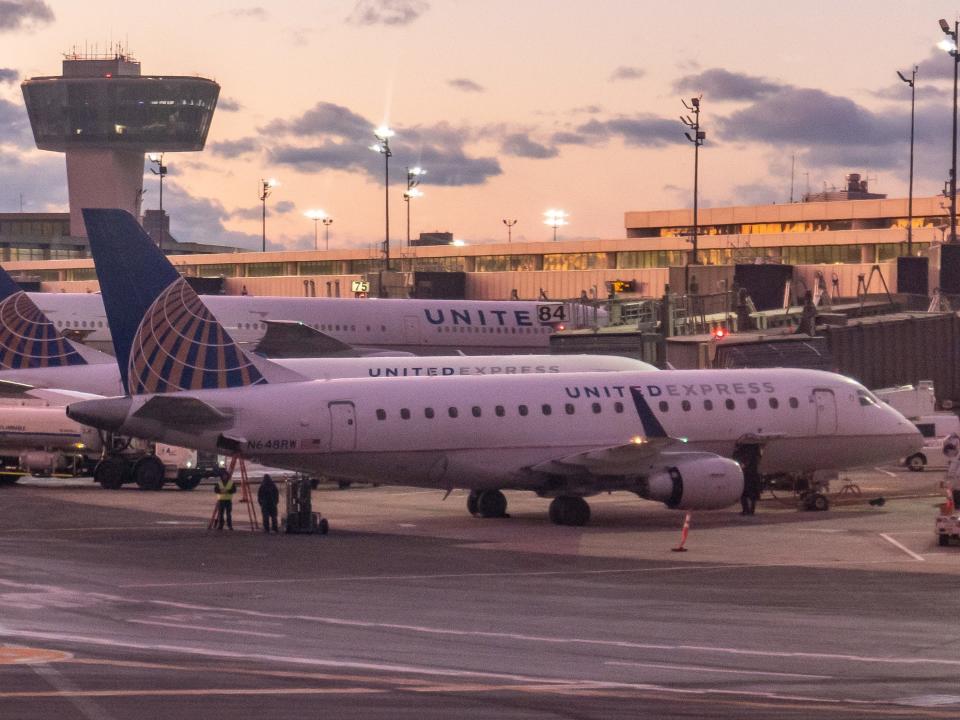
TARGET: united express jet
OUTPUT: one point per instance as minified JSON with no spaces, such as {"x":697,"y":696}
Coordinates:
{"x":667,"y":436}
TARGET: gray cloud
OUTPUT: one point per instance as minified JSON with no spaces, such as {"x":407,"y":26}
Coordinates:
{"x":937,"y":65}
{"x":569,"y":138}
{"x":466,"y":85}
{"x":587,"y":110}
{"x":255,"y":212}
{"x":646,"y":130}
{"x":719,"y":84}
{"x":901,"y":92}
{"x":627,"y":73}
{"x":16,"y":14}
{"x":520,"y":145}
{"x":284,"y":207}
{"x":342,"y":138}
{"x":234,"y":148}
{"x":8,"y":75}
{"x":255,"y":12}
{"x":40,"y":177}
{"x":15,"y":125}
{"x":228,"y":105}
{"x":387,"y":12}
{"x":194,"y":219}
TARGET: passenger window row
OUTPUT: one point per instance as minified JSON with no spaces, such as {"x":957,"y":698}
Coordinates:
{"x":496,"y":330}
{"x":501,"y":411}
{"x":730,"y":404}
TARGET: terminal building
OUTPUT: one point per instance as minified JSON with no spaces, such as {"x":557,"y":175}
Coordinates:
{"x":841,"y":238}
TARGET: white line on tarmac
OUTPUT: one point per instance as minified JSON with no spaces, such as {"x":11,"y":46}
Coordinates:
{"x":561,"y":683}
{"x":909,"y":552}
{"x":554,"y":640}
{"x":703,"y":668}
{"x":206,"y":629}
{"x":885,"y":472}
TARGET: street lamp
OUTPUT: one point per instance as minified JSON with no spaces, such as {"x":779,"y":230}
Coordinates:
{"x":697,"y":139}
{"x":327,"y":222}
{"x":949,"y":43}
{"x":555,"y":219}
{"x":509,"y":222}
{"x":157,"y":159}
{"x":317,"y":216}
{"x":266,"y":187}
{"x":382,"y":146}
{"x":912,"y":82}
{"x":413,"y":179}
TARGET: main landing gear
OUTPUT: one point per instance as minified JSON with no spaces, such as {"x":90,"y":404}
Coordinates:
{"x":569,"y":510}
{"x":487,"y":503}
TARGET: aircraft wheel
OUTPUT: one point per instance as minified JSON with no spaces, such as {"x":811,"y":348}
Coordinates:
{"x":109,"y":473}
{"x":473,"y":500}
{"x":820,"y":502}
{"x":569,"y":510}
{"x":916,"y":463}
{"x":188,"y":481}
{"x":492,"y":504}
{"x":943,"y":539}
{"x":148,"y":473}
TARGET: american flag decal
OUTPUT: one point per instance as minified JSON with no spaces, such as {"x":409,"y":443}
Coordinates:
{"x":28,"y":339}
{"x":181,"y":346}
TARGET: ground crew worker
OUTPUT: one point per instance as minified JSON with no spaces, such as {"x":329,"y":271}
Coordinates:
{"x":269,"y":497}
{"x":748,"y":455}
{"x":225,"y":488}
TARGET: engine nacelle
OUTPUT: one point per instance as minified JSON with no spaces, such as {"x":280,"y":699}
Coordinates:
{"x":695,"y":481}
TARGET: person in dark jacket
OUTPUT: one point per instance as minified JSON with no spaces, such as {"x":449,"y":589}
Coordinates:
{"x":269,"y":498}
{"x":748,"y":455}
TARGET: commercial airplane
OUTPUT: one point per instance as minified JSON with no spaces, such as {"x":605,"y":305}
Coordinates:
{"x":664,"y":435}
{"x":424,"y":327}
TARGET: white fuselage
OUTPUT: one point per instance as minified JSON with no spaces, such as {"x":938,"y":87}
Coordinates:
{"x":420,"y":326}
{"x":490,"y":432}
{"x":104,"y":378}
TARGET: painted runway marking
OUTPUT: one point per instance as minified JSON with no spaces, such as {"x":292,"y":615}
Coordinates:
{"x":188,"y":693}
{"x":703,"y":668}
{"x":885,"y":472}
{"x":909,"y":552}
{"x":206,"y":629}
{"x":553,"y":640}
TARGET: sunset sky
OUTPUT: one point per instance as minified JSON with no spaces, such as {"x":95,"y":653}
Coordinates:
{"x":513,"y":107}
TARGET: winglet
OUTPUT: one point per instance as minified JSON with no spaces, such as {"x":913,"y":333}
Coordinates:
{"x":165,"y":338}
{"x":27,"y":337}
{"x":651,"y":426}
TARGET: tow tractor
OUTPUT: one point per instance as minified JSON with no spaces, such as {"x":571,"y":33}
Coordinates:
{"x":948,"y":521}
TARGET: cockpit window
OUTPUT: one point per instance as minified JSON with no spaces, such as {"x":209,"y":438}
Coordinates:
{"x":866,"y":399}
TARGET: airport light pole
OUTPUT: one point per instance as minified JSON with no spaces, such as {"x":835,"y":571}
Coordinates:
{"x":912,"y":82}
{"x":697,"y":139}
{"x":327,"y":222}
{"x":317,"y":216}
{"x":509,"y":222}
{"x":266,"y":187}
{"x":949,"y":43}
{"x":413,"y":179}
{"x":161,"y":171}
{"x":555,"y":219}
{"x":382,"y":146}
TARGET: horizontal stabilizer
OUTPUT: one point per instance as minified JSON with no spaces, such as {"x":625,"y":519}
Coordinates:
{"x":623,"y":459}
{"x":292,"y":339}
{"x":23,"y":391}
{"x":175,"y":410}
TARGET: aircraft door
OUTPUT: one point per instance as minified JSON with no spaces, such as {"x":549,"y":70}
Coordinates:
{"x":343,"y":427}
{"x":826,"y":405}
{"x":411,"y":330}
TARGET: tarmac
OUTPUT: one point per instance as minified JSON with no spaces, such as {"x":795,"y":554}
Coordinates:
{"x":117,"y":604}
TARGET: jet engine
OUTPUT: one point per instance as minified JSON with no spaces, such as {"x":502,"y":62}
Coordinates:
{"x":694,"y":481}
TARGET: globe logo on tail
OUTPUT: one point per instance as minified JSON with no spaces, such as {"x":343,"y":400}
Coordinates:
{"x":29,"y":340}
{"x":181,"y":346}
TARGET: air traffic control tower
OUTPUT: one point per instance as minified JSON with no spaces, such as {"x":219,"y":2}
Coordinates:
{"x":105,"y":116}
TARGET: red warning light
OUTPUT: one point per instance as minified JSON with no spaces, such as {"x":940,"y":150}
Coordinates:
{"x":719,"y":333}
{"x":108,"y":75}
{"x":560,"y":326}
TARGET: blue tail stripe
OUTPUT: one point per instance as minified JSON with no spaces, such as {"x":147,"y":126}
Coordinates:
{"x":651,"y":426}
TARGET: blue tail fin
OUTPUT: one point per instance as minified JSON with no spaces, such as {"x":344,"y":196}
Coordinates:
{"x":165,"y":339}
{"x":27,"y":337}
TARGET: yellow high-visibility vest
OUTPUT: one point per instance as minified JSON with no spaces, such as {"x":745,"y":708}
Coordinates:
{"x":225,"y":490}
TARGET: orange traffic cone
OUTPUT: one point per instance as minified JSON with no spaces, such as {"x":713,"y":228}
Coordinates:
{"x":683,"y":535}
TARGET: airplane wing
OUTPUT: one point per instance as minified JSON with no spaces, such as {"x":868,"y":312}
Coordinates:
{"x":183,"y":411}
{"x":292,"y":339}
{"x":21,"y":391}
{"x":623,"y":459}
